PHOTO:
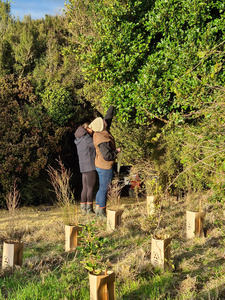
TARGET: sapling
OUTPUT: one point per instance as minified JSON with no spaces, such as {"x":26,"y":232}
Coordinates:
{"x":91,"y":249}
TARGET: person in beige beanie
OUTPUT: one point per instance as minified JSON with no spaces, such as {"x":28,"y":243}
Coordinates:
{"x":106,"y":154}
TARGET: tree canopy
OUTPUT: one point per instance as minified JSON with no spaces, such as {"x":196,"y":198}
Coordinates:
{"x":160,"y":63}
{"x":40,"y":104}
{"x":161,"y":60}
{"x":154,"y":55}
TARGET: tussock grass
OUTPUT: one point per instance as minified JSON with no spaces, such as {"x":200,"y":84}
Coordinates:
{"x":199,"y":263}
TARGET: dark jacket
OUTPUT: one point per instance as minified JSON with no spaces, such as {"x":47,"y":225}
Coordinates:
{"x":85,"y":150}
{"x":106,"y":146}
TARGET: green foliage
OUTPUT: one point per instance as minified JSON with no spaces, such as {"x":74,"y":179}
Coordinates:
{"x":91,"y":249}
{"x":6,"y":60}
{"x":159,"y":63}
{"x":148,"y":177}
{"x":35,"y":48}
{"x":149,"y":287}
{"x":32,"y":50}
{"x":193,"y":156}
{"x":137,"y":142}
{"x":5,"y":16}
{"x":23,"y":48}
{"x":162,"y":60}
{"x":143,"y":48}
{"x":59,"y":105}
{"x":30,"y":284}
{"x":28,"y":137}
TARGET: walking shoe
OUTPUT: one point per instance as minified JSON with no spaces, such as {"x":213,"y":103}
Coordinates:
{"x":83,"y":207}
{"x":101,"y":212}
{"x":90,"y":208}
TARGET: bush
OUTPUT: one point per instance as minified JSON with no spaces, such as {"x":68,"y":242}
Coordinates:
{"x":28,"y":138}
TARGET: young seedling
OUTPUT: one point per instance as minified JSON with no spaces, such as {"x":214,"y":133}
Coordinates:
{"x":91,"y":249}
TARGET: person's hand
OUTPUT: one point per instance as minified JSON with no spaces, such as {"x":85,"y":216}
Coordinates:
{"x":89,"y":130}
{"x":118,"y":150}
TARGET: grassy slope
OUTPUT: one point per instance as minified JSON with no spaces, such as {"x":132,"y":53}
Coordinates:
{"x":50,"y":273}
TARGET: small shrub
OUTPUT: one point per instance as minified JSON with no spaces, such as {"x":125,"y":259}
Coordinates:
{"x":60,"y":180}
{"x":91,"y":249}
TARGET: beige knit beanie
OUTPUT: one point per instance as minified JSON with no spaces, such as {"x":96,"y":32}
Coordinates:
{"x":97,"y":125}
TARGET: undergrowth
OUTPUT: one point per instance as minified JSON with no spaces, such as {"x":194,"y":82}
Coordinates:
{"x":48,"y":272}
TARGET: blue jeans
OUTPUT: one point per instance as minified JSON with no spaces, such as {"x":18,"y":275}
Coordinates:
{"x":105,"y":178}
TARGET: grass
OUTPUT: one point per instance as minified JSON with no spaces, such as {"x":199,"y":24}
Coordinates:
{"x":56,"y":280}
{"x":48,"y":272}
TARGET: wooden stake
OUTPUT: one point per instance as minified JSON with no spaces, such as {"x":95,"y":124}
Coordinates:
{"x":106,"y":292}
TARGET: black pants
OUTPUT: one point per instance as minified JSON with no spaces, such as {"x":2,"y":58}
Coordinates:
{"x":88,"y":183}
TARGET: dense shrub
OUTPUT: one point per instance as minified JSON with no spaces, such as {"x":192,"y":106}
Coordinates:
{"x":28,"y":138}
{"x":160,"y":60}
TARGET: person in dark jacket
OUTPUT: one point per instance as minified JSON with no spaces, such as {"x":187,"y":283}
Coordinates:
{"x":106,"y":154}
{"x":86,"y":155}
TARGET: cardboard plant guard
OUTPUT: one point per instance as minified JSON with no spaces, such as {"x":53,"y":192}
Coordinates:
{"x":160,"y":252}
{"x":194,"y":224}
{"x":72,"y":238}
{"x":102,"y":286}
{"x":12,"y":254}
{"x":114,"y":218}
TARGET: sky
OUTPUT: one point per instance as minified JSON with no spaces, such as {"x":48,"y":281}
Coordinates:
{"x":36,"y":8}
